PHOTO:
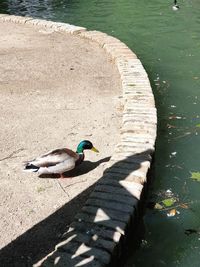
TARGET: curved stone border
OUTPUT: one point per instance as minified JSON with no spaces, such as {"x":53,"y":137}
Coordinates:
{"x":99,"y":230}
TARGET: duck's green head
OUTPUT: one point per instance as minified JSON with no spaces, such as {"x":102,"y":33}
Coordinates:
{"x":85,"y":145}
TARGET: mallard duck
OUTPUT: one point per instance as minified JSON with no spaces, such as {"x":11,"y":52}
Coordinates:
{"x":175,"y":6}
{"x":60,"y":160}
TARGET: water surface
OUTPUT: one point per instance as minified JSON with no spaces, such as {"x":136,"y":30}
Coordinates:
{"x":168,"y":44}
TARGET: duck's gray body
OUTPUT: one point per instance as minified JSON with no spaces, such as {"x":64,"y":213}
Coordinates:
{"x":56,"y":161}
{"x":59,"y":160}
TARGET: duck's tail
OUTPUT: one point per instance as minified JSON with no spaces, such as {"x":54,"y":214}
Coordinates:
{"x":29,"y":167}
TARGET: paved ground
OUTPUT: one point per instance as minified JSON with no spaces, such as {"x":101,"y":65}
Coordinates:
{"x":55,"y":90}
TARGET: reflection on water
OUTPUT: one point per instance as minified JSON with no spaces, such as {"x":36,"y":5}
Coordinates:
{"x":168,"y":43}
{"x":33,"y":8}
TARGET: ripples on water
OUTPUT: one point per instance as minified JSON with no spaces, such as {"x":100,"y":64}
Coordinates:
{"x":168,"y":44}
{"x":34,"y":8}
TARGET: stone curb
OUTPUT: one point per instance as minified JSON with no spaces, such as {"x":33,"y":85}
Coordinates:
{"x":97,"y":233}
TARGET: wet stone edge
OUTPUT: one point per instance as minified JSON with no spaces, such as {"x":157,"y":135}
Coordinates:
{"x":97,"y":233}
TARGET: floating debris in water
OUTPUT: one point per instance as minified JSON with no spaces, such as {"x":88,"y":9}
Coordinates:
{"x":195,"y":176}
{"x":173,"y":154}
{"x":169,"y":193}
{"x":168,"y":202}
{"x":144,"y":243}
{"x":169,"y":126}
{"x":191,"y":231}
{"x":158,"y":206}
{"x":175,"y":117}
{"x":172,"y":213}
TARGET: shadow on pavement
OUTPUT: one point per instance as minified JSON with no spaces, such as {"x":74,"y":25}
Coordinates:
{"x":41,"y":239}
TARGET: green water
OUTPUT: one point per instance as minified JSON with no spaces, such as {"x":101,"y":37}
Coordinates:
{"x":168,"y":44}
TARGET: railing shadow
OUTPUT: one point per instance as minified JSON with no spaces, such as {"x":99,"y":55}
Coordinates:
{"x":101,"y":223}
{"x":110,"y":210}
{"x":41,"y":239}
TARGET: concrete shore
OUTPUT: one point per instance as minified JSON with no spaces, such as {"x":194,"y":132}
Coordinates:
{"x":103,"y":219}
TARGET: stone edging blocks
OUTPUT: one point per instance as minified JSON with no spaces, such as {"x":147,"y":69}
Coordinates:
{"x":97,"y":233}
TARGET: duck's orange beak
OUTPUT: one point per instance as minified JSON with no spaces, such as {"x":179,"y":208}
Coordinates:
{"x":95,"y":150}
